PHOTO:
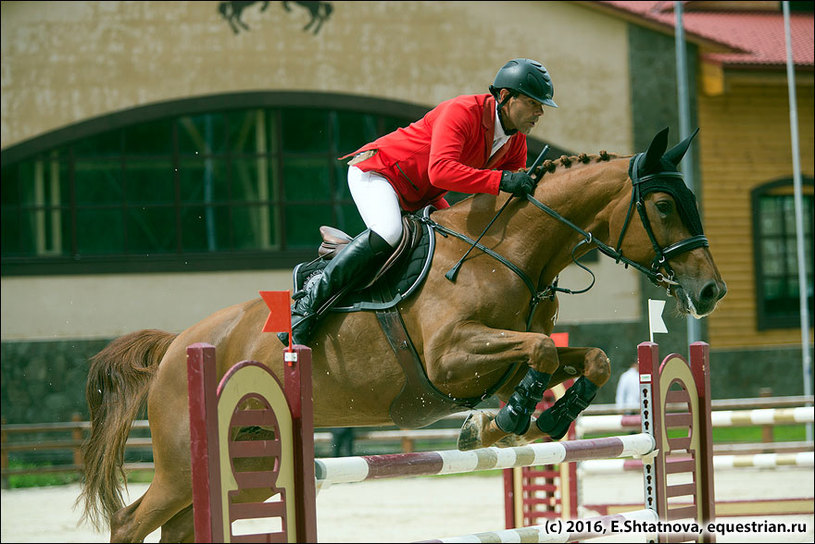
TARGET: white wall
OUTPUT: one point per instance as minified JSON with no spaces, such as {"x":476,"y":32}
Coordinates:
{"x":615,"y":297}
{"x":107,"y":306}
{"x":65,"y":62}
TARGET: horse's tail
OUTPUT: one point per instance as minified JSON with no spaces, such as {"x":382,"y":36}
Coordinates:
{"x":118,"y":381}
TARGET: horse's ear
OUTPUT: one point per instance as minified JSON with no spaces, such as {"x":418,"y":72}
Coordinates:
{"x":675,"y":154}
{"x":653,"y":154}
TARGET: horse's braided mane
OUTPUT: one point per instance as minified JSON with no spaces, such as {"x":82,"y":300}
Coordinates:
{"x":549,"y":166}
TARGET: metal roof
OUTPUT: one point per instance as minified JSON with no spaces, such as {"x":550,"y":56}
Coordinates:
{"x":756,"y":37}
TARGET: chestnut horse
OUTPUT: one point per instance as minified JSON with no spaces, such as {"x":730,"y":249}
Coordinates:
{"x":471,"y":334}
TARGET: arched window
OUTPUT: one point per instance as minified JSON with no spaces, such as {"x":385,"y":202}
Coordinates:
{"x":775,"y":252}
{"x":235,"y":181}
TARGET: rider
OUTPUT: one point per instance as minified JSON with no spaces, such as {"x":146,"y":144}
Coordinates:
{"x":469,"y":144}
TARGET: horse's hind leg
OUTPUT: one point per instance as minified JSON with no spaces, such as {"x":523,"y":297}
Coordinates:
{"x":170,"y":492}
{"x":310,"y":23}
{"x":156,"y":507}
{"x":180,"y":528}
{"x":319,"y":20}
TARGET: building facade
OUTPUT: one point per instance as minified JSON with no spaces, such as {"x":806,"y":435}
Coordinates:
{"x":163,"y":160}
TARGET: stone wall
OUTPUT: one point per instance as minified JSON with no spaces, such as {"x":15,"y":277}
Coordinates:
{"x":45,"y":381}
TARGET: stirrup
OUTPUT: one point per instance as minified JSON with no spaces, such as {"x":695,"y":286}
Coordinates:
{"x":298,"y":334}
{"x":299,"y":294}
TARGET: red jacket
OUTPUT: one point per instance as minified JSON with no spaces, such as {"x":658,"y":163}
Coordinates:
{"x":446,"y":150}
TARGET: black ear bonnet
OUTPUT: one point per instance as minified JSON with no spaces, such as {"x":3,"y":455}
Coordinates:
{"x":649,"y":175}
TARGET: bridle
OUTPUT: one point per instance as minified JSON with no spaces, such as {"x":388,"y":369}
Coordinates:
{"x":640,"y":187}
{"x":662,"y":254}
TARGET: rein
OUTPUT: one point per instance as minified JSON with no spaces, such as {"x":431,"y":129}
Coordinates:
{"x":537,"y":296}
{"x":663,"y":254}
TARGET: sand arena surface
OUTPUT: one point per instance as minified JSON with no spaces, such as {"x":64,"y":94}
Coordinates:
{"x":416,"y":508}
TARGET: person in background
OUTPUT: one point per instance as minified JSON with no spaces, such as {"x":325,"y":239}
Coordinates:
{"x":627,"y":399}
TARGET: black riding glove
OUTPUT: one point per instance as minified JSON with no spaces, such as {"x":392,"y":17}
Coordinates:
{"x":517,"y":183}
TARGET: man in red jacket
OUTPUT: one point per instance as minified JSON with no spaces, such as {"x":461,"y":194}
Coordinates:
{"x":468,"y":144}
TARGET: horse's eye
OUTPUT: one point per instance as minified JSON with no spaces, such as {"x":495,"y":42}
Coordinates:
{"x":665,"y":207}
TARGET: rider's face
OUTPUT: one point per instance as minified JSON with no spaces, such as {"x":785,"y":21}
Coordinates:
{"x":521,"y":112}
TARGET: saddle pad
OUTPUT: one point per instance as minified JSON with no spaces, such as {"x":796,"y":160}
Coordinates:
{"x":398,"y":283}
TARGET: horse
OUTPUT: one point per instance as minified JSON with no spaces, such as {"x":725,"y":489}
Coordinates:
{"x":320,"y":12}
{"x":480,"y":334}
{"x":233,"y":9}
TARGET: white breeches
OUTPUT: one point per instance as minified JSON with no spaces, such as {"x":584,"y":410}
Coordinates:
{"x":377,"y":203}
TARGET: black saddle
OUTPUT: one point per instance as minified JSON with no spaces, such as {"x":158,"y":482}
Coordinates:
{"x":397,"y":279}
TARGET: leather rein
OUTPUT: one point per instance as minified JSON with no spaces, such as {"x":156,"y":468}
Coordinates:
{"x":660,"y":261}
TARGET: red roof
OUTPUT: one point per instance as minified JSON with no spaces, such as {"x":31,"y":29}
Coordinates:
{"x":758,"y":34}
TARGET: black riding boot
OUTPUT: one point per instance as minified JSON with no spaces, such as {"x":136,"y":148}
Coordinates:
{"x":351,"y":266}
{"x":556,"y":420}
{"x":514,"y":416}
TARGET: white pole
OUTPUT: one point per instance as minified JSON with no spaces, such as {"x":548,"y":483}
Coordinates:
{"x":799,"y":215}
{"x":693,"y":325}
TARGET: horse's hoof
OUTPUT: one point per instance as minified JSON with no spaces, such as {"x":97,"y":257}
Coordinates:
{"x":470,"y":436}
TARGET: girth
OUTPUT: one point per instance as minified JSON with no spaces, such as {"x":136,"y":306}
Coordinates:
{"x":418,"y":403}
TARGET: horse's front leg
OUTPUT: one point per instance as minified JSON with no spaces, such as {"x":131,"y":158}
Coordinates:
{"x":475,"y":353}
{"x":594,"y":368}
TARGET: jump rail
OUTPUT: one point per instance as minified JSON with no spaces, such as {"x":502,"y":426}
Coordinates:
{"x":674,"y":395}
{"x":761,"y":460}
{"x":559,"y":532}
{"x":372,"y":467}
{"x":724,"y":418}
{"x":723,"y":404}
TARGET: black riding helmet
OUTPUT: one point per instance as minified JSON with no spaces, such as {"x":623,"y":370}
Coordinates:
{"x":527,"y":77}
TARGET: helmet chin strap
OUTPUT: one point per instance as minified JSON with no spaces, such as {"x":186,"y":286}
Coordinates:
{"x":508,"y":132}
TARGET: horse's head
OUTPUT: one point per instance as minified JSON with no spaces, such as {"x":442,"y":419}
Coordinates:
{"x":669,"y":238}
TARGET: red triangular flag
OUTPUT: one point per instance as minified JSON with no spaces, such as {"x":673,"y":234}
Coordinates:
{"x":279,"y":303}
{"x":561,"y":339}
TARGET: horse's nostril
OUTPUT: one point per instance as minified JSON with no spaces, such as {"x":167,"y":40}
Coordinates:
{"x":712,"y":292}
{"x":722,"y":290}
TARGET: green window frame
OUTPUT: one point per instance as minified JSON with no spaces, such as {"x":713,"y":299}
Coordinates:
{"x":775,"y":253}
{"x":239,"y":181}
